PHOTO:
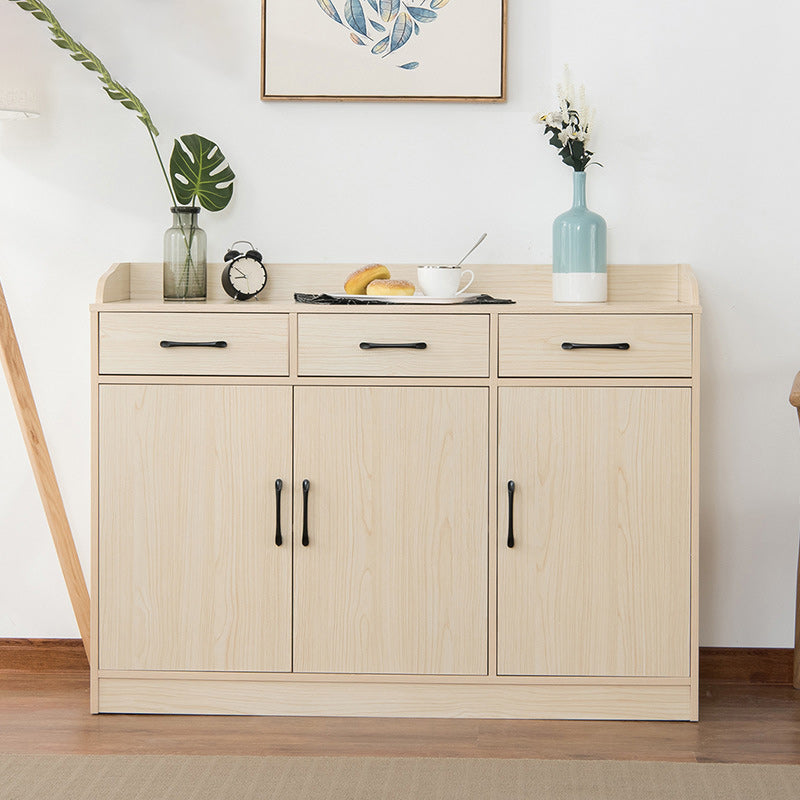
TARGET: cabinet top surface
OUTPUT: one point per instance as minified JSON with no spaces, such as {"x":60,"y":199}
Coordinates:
{"x":670,"y":288}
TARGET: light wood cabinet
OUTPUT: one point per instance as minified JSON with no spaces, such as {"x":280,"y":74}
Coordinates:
{"x":394,"y":578}
{"x":190,"y":575}
{"x":594,"y":569}
{"x":392,"y":589}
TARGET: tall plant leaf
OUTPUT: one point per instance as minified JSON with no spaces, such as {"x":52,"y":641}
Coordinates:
{"x":354,"y":14}
{"x":198,"y":169}
{"x":421,"y":14}
{"x":409,"y":65}
{"x":116,"y":91}
{"x":328,"y":7}
{"x":377,"y":26}
{"x":439,"y":3}
{"x":374,"y":4}
{"x":389,"y":9}
{"x":401,"y":33}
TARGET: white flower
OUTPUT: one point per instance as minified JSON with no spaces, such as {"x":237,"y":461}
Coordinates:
{"x":565,"y":135}
{"x":552,"y":119}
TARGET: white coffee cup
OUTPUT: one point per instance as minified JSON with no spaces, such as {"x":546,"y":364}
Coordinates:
{"x":442,"y":280}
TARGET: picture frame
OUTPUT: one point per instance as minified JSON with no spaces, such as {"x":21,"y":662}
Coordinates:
{"x":406,"y":50}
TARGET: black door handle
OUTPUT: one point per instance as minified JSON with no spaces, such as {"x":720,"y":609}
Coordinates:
{"x":278,"y":487}
{"x":393,"y":345}
{"x":577,"y":346}
{"x":306,"y":487}
{"x":193,"y":344}
{"x":511,"y":487}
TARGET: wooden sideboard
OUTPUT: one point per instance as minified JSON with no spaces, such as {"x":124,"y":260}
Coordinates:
{"x":491,"y":526}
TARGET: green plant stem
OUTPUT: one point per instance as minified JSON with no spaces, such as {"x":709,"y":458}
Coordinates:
{"x":187,"y":242}
{"x":163,"y":169}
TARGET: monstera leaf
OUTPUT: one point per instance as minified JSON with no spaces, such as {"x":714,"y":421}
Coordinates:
{"x":197,"y":168}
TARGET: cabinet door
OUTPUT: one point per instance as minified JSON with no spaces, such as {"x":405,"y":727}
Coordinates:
{"x":394,"y":578}
{"x":598,"y":580}
{"x":190,"y":574}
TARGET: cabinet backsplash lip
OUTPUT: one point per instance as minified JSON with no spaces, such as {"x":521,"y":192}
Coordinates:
{"x":668,"y":287}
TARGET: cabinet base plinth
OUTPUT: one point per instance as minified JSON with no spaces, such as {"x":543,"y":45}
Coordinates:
{"x":164,"y":695}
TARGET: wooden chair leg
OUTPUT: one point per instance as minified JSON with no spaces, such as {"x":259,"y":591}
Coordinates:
{"x":43,"y":472}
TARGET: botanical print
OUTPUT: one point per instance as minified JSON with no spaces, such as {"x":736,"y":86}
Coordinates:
{"x":376,"y":49}
{"x":384,"y":25}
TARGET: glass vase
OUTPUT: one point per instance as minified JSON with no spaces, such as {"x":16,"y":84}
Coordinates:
{"x":185,"y":256}
{"x":579,"y":251}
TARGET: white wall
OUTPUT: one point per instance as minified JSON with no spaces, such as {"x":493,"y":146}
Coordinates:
{"x":698,"y":114}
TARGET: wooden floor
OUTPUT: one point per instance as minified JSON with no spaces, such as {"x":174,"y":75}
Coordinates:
{"x":48,"y":713}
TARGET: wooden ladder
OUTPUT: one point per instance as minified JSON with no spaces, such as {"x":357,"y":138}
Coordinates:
{"x":39,"y":455}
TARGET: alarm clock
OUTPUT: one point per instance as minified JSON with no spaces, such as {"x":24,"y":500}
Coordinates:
{"x":244,"y":275}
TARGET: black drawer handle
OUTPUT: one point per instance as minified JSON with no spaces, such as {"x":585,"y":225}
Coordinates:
{"x":576,"y":346}
{"x":306,"y":487}
{"x":278,"y":487}
{"x":193,"y":344}
{"x":511,"y":487}
{"x":393,"y":346}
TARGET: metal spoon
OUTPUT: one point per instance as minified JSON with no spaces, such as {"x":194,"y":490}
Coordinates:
{"x":470,"y":252}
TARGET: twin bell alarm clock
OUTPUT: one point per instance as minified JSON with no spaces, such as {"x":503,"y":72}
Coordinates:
{"x":244,"y":274}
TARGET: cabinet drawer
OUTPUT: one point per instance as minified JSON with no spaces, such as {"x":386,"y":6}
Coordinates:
{"x":658,"y":345}
{"x":455,"y":345}
{"x":255,"y":344}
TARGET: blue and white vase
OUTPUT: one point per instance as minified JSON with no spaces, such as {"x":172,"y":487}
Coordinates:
{"x":579,"y":251}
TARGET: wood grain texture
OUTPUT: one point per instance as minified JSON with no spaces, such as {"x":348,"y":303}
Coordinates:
{"x":43,"y":655}
{"x":190,"y":576}
{"x":420,"y":700}
{"x":43,"y":472}
{"x":394,"y":579}
{"x":598,"y":581}
{"x":46,"y":713}
{"x":758,"y":666}
{"x":761,"y":665}
{"x":130,"y":343}
{"x":457,"y":345}
{"x":631,"y":289}
{"x":114,"y":284}
{"x":660,"y":345}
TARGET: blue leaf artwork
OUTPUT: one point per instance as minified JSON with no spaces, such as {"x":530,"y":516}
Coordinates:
{"x":354,"y":14}
{"x":401,"y":33}
{"x":398,"y":18}
{"x":389,"y":9}
{"x":422,"y":14}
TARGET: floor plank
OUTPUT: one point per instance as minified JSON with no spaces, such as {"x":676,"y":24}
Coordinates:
{"x":745,"y":723}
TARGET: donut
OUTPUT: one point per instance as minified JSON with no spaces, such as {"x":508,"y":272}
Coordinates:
{"x":393,"y":287}
{"x":357,"y":281}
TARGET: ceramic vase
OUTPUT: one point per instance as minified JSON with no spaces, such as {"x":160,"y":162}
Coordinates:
{"x":579,"y":251}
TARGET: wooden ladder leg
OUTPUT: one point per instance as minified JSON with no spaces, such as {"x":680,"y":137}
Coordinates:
{"x":33,"y":435}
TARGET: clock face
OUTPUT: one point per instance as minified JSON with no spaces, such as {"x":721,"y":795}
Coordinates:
{"x":247,"y":276}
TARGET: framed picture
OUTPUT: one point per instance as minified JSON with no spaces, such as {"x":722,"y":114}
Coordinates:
{"x":383,"y":50}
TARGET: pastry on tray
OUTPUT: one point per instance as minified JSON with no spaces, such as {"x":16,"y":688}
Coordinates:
{"x":358,"y":281}
{"x":386,"y":288}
